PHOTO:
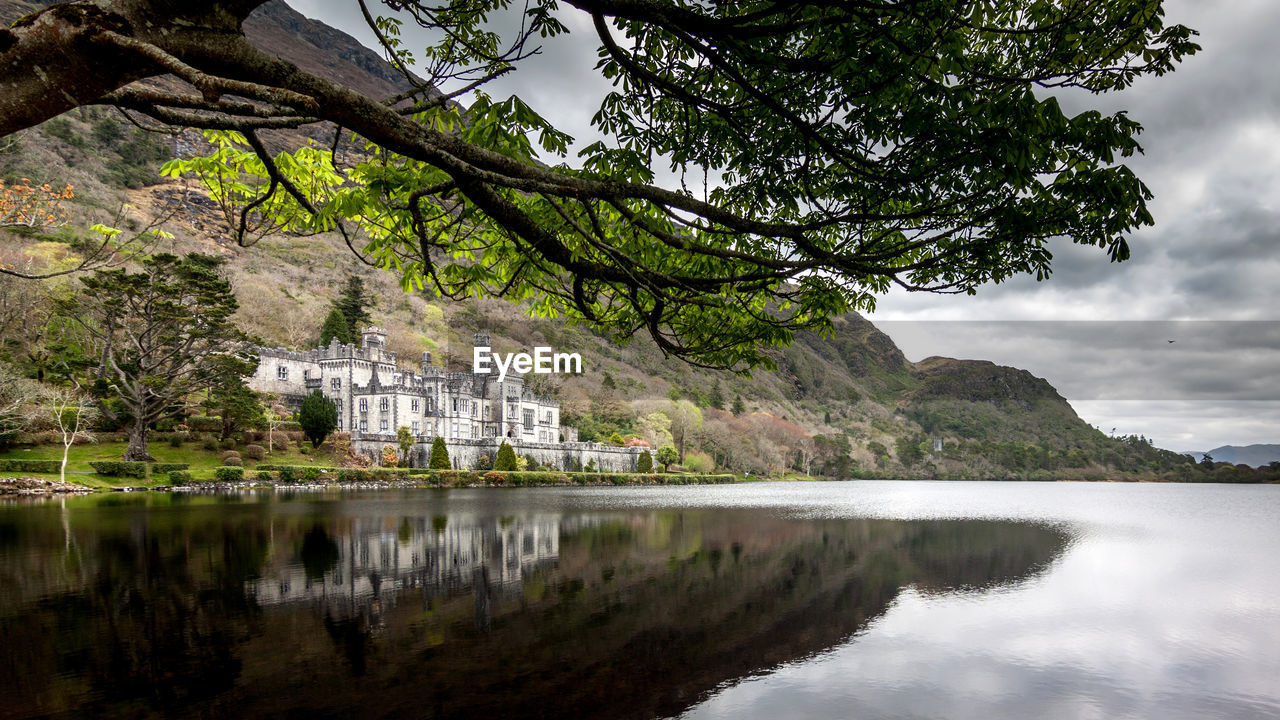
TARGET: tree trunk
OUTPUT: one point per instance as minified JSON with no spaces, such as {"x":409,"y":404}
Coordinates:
{"x":137,"y":450}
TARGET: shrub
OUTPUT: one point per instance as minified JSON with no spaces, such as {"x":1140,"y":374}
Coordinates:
{"x":318,"y":417}
{"x":229,"y":474}
{"x":310,"y":474}
{"x":506,"y":459}
{"x":201,"y":423}
{"x":119,"y":468}
{"x":439,"y":455}
{"x":209,"y":443}
{"x":179,"y":477}
{"x":162,"y":468}
{"x":390,"y":456}
{"x":175,"y":440}
{"x":496,"y":477}
{"x":353,"y":475}
{"x":264,"y":475}
{"x":531,"y":463}
{"x":232,"y":461}
{"x":482,"y":463}
{"x":227,"y":444}
{"x":698,"y":462}
{"x":645,"y":463}
{"x":34,"y":466}
{"x":288,"y":473}
{"x":254,"y":452}
{"x":230,"y":453}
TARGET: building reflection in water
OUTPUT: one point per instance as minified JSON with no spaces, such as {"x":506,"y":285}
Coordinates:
{"x":250,"y":607}
{"x":368,"y":569}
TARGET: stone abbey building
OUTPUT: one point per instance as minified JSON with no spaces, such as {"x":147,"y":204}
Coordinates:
{"x":473,"y":412}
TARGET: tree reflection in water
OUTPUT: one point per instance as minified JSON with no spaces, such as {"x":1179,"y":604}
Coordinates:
{"x":172,"y":607}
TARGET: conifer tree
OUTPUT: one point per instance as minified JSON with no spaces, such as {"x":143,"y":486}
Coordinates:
{"x":739,"y":407}
{"x":645,"y":463}
{"x":353,"y":304}
{"x":506,"y":459}
{"x":439,"y":455}
{"x":157,"y":336}
{"x":716,"y":398}
{"x":336,"y":326}
{"x":318,"y":417}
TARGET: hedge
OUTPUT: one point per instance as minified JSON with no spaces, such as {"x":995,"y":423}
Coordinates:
{"x":119,"y":468}
{"x":160,"y":468}
{"x":179,"y":477}
{"x":202,"y":423}
{"x":34,"y":466}
{"x":228,"y":474}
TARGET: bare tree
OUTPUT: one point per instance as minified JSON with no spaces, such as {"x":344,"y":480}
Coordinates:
{"x":68,"y":410}
{"x":276,"y":415}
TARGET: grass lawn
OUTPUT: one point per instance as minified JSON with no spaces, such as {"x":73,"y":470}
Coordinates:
{"x":202,"y":461}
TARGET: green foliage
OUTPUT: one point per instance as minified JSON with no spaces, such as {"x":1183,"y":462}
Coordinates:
{"x":644,"y":463}
{"x":236,"y":405}
{"x":119,"y":468}
{"x":31,"y":466}
{"x":920,"y":143}
{"x":506,"y":458}
{"x":337,"y":326}
{"x":228,"y":474}
{"x":170,"y":332}
{"x":180,"y":477}
{"x":404,"y":442}
{"x":667,"y":456}
{"x":162,"y":468}
{"x":739,"y":407}
{"x":439,"y":455}
{"x":318,"y":417}
{"x":200,"y":423}
{"x":715,"y":399}
{"x":908,"y":450}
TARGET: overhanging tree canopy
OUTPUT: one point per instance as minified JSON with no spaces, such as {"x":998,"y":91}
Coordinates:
{"x":850,"y":146}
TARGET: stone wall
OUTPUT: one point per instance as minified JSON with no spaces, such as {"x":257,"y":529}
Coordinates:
{"x":464,"y":454}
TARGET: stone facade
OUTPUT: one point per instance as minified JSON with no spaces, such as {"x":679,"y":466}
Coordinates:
{"x":473,"y":412}
{"x":466,"y":454}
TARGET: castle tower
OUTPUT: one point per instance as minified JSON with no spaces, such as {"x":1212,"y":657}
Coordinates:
{"x":373,"y":336}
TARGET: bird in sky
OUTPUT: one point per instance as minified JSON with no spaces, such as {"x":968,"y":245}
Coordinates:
{"x":1172,"y":341}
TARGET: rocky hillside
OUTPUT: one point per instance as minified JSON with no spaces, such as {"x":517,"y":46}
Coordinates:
{"x":848,"y":404}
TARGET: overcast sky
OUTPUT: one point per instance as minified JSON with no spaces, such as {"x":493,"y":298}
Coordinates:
{"x":1205,"y":276}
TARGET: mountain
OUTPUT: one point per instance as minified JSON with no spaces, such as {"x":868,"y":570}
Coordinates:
{"x":846,"y":404}
{"x":1251,"y":455}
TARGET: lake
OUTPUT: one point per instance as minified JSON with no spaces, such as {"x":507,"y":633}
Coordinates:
{"x":759,"y":601}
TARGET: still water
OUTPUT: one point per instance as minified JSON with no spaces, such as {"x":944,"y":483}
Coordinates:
{"x":768,"y":601}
